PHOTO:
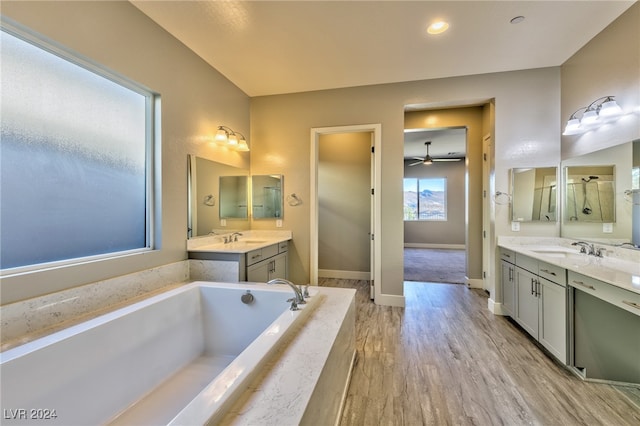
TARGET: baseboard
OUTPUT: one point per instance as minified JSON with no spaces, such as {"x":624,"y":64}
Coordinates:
{"x":474,"y":282}
{"x":345,"y":391}
{"x":495,"y":307}
{"x":390,"y":300}
{"x":345,"y":275}
{"x":435,"y":246}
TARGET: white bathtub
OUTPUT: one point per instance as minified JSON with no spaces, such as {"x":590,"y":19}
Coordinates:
{"x":180,"y":358}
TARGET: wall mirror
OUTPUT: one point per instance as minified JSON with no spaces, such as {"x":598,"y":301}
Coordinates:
{"x":266,"y":196}
{"x":590,"y":194}
{"x":206,"y":200}
{"x":611,"y":170}
{"x":534,"y":194}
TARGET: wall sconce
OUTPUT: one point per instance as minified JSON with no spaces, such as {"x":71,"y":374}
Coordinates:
{"x":234,"y":140}
{"x":598,"y":112}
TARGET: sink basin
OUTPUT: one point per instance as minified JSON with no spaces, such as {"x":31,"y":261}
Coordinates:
{"x":560,"y":253}
{"x":251,"y":241}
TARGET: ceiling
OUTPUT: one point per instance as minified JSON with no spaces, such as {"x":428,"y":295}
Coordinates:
{"x":445,"y":143}
{"x":276,"y":47}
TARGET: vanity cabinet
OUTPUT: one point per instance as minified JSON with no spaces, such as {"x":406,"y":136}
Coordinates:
{"x":268,"y":263}
{"x":606,"y":333}
{"x":541,"y":303}
{"x":508,"y":280}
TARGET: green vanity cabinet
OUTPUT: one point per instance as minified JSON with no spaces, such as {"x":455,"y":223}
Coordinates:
{"x":541,"y":303}
{"x":606,"y":330}
{"x":268,"y":263}
{"x":508,"y":275}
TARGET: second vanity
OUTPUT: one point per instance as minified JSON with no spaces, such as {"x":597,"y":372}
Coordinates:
{"x":583,"y":309}
{"x":256,"y":256}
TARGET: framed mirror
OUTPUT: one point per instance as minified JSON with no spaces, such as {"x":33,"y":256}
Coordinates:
{"x":266,"y":196}
{"x":205,"y":202}
{"x":534,"y":194}
{"x":590,"y":194}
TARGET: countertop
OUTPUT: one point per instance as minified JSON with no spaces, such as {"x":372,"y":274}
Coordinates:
{"x":619,"y":266}
{"x":247,"y":241}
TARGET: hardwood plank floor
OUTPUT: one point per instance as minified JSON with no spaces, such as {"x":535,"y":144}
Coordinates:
{"x":446,"y":360}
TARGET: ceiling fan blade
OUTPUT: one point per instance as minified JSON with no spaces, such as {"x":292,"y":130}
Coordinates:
{"x":446,"y":159}
{"x":416,"y":163}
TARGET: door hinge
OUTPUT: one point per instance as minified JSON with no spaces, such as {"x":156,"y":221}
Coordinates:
{"x":372,"y":237}
{"x":484,"y":156}
{"x":484,"y":193}
{"x":484,"y":234}
{"x":372,"y":191}
{"x":484,"y":274}
{"x":373,"y":149}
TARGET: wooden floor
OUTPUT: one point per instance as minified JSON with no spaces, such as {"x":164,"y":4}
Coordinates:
{"x":446,"y":360}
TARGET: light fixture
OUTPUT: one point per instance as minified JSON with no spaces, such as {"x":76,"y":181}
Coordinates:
{"x":234,"y":140}
{"x":438,"y":27}
{"x":599,"y":111}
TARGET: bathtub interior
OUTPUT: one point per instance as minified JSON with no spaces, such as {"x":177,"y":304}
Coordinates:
{"x":145,"y":361}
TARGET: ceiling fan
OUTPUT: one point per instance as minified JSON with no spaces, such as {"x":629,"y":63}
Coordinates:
{"x":427,"y":160}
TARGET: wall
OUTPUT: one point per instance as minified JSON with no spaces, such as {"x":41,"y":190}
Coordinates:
{"x":344,"y":203}
{"x":527,"y":133}
{"x":195,"y":100}
{"x":439,"y":233}
{"x":609,"y":65}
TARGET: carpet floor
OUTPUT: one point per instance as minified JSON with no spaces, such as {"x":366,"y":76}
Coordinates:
{"x":435,"y":265}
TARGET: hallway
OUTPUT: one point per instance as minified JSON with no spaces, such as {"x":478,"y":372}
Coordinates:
{"x":445,"y":359}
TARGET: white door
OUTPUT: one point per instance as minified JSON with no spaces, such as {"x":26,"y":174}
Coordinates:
{"x":372,"y":246}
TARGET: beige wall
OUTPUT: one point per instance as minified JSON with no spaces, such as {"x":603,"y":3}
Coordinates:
{"x":451,"y":231}
{"x":195,"y":100}
{"x":344,"y":202}
{"x":609,"y":65}
{"x":527,"y":133}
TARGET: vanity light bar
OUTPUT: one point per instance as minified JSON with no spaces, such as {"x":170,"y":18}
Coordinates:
{"x":232,"y":139}
{"x":600,"y":111}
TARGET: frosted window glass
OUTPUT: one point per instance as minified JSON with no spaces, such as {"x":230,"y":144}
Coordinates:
{"x":72,"y":160}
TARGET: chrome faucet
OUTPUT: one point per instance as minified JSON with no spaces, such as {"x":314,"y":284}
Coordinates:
{"x":584,"y":246}
{"x":235,"y":236}
{"x":298,"y":299}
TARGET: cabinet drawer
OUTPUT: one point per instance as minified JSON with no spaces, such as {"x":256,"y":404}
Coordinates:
{"x":270,"y":251}
{"x":283,"y":246}
{"x":627,"y":300}
{"x":507,"y":255}
{"x":553,"y":273}
{"x":526,"y":262}
{"x":254,"y":256}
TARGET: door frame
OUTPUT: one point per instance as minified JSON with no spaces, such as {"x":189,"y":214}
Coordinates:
{"x":316,"y":132}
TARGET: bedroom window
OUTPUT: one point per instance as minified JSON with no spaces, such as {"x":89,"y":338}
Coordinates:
{"x":425,"y":199}
{"x":75,"y":153}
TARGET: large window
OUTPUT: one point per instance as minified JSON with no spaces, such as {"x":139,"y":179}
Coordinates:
{"x":74,"y":157}
{"x":425,"y":199}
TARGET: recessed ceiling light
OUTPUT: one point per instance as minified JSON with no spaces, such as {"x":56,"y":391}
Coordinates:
{"x":438,"y":27}
{"x":517,"y":19}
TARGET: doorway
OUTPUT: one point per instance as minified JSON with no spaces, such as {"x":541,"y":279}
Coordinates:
{"x":321,"y":219}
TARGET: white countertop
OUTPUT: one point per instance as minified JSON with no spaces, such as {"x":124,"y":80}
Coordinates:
{"x":247,"y":241}
{"x":619,"y":266}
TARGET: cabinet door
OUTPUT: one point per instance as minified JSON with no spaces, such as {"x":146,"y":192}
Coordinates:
{"x":259,"y":272}
{"x":278,"y":267}
{"x":553,"y":318}
{"x":508,"y":288}
{"x":527,"y":301}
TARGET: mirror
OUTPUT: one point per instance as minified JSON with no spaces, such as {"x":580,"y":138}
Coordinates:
{"x":233,"y":197}
{"x":534,"y":194}
{"x":206,"y":201}
{"x":266,"y":198}
{"x":590,"y":194}
{"x":613,"y":167}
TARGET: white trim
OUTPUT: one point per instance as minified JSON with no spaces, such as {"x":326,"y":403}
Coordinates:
{"x":346,"y":275}
{"x":496,"y":308}
{"x":316,"y":132}
{"x":436,"y":246}
{"x":389,"y":300}
{"x":474,"y":283}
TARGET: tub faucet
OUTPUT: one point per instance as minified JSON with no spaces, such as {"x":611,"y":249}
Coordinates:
{"x":299,"y":298}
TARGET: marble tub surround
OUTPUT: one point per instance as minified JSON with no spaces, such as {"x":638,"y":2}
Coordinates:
{"x":249,"y":240}
{"x":306,"y":382}
{"x":30,"y":319}
{"x":619,"y":266}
